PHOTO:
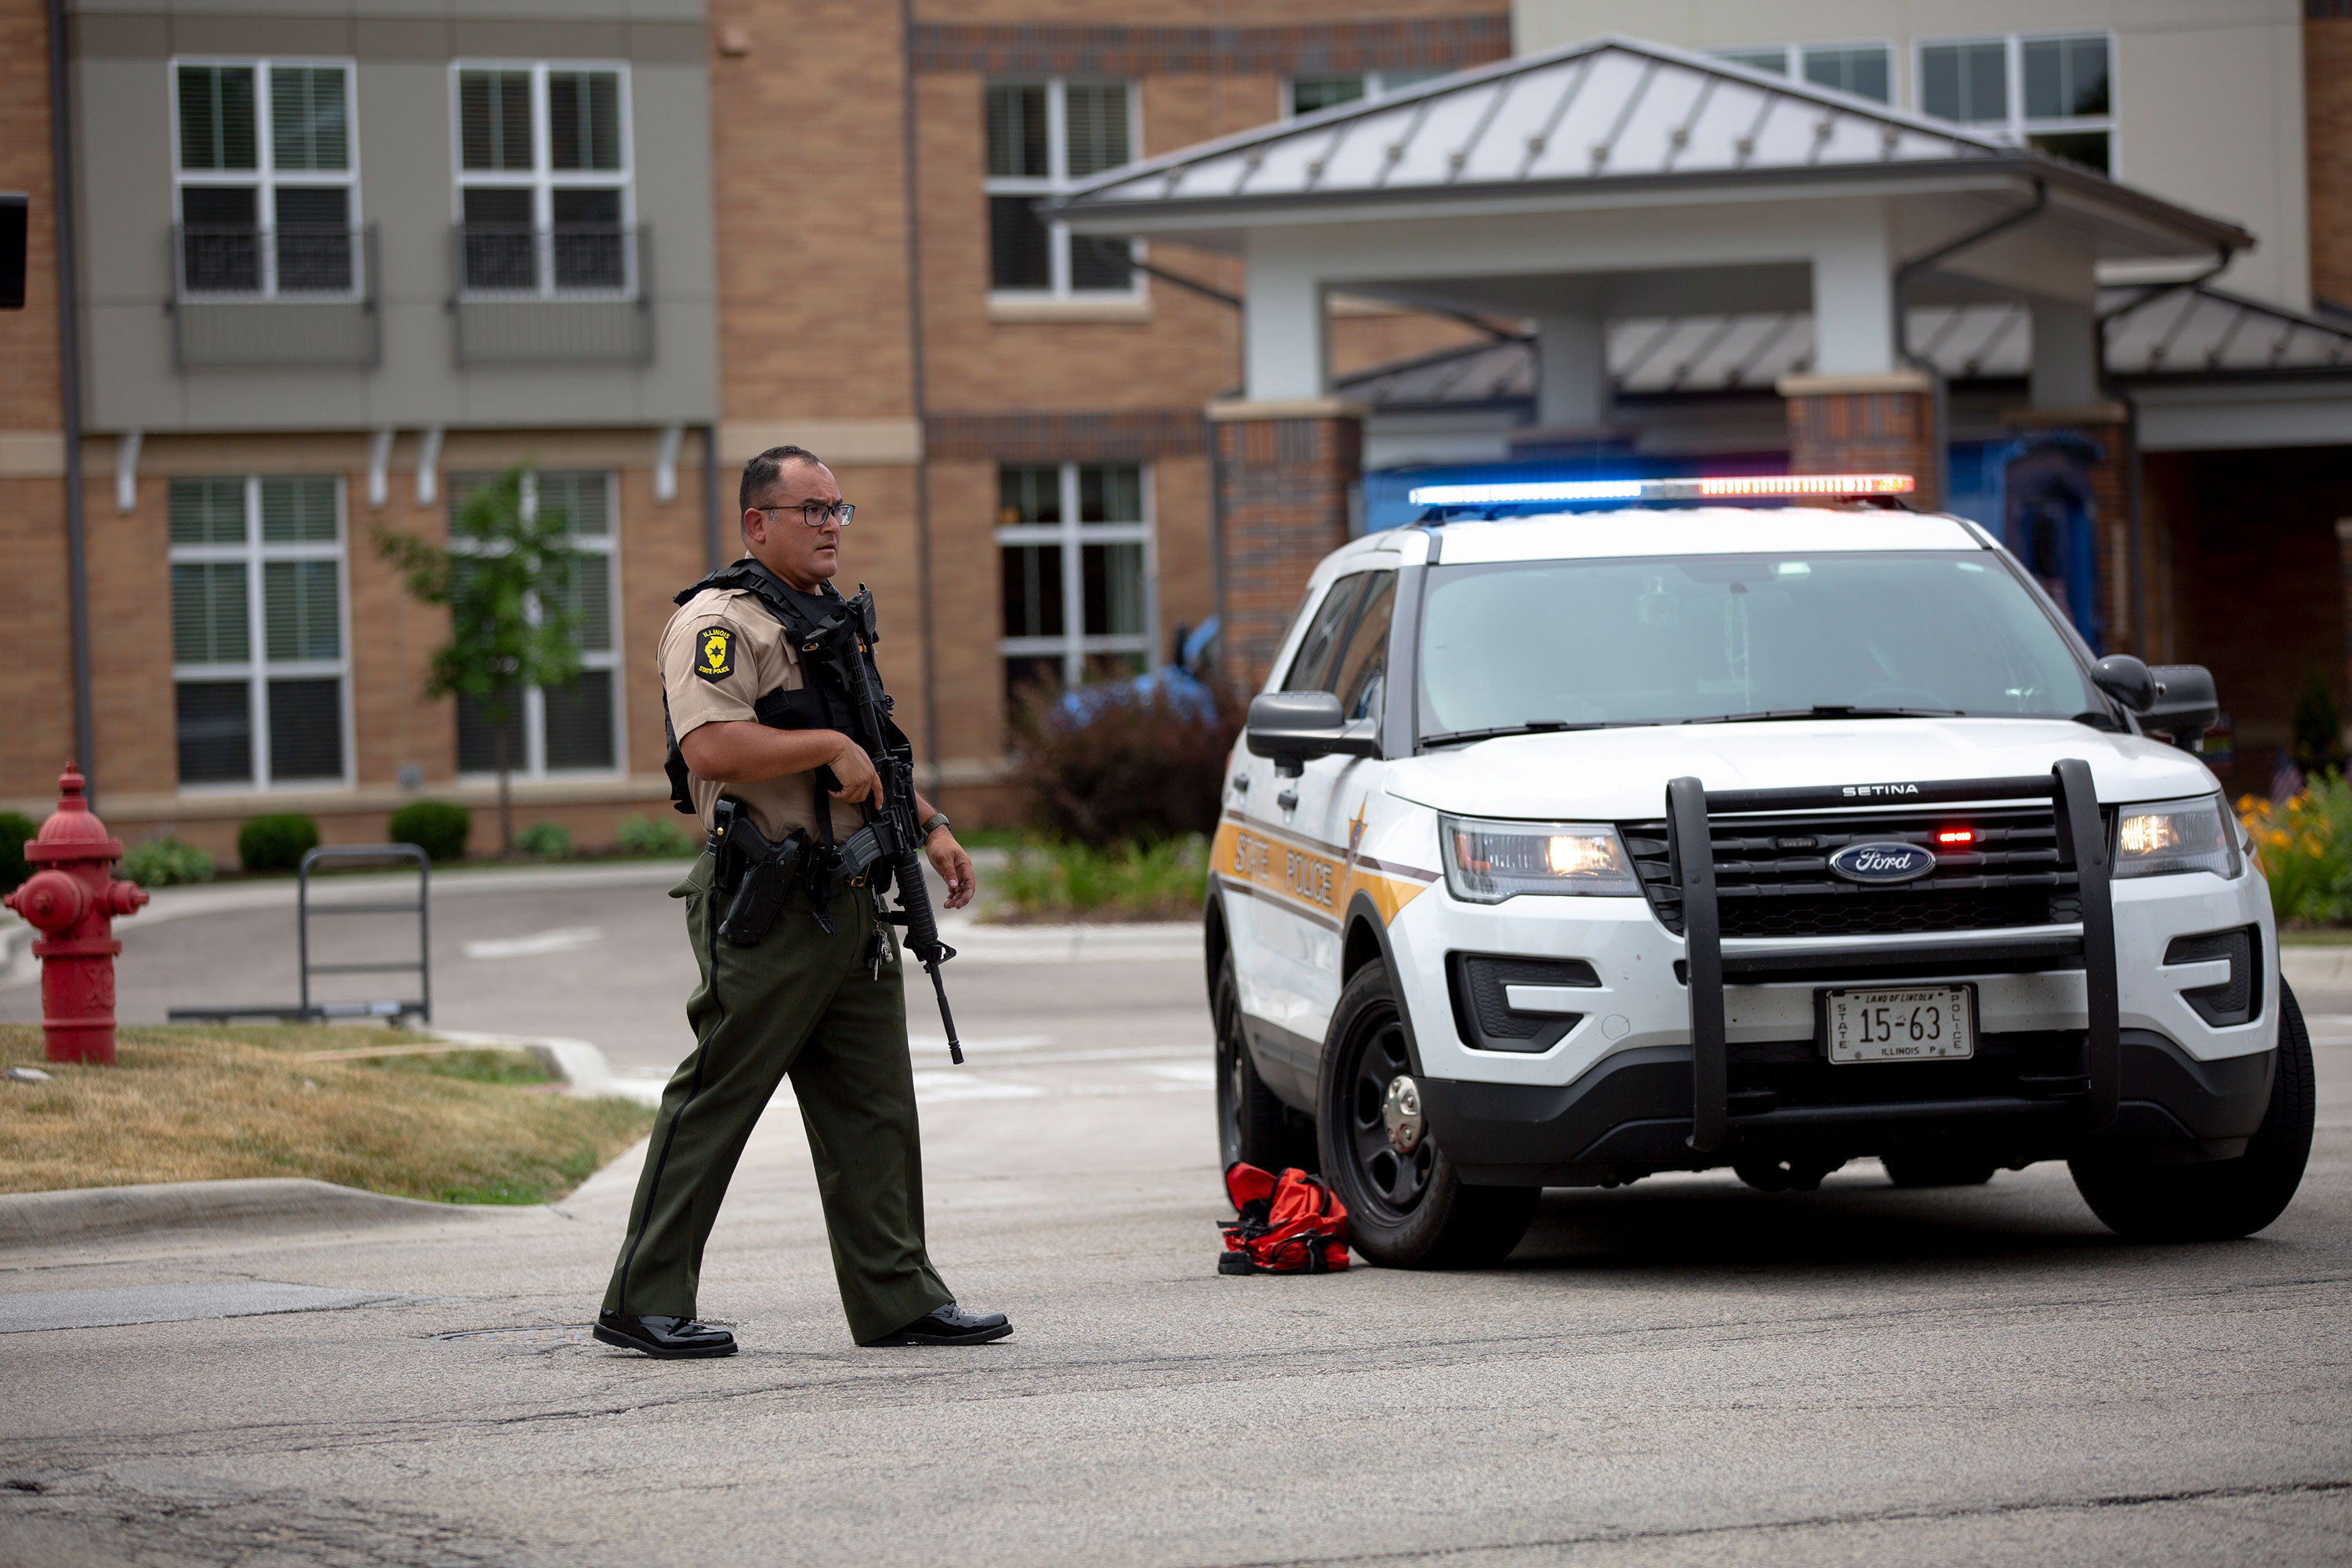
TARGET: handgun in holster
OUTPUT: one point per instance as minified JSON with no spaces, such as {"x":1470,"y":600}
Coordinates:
{"x":755,"y":871}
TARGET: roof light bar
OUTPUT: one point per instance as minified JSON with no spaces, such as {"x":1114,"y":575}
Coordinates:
{"x":1760,"y":485}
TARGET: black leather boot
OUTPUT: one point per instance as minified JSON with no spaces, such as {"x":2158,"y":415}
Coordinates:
{"x":950,"y":1325}
{"x":671,"y":1339}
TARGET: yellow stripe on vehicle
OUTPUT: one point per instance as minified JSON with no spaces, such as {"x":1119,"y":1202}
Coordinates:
{"x":1308,"y":876}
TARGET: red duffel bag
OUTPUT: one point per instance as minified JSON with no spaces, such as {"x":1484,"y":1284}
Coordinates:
{"x":1289,"y":1223}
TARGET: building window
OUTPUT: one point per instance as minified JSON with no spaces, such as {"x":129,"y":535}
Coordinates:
{"x":1042,"y":137}
{"x":1306,"y":94}
{"x":2056,"y":94}
{"x":266,"y":178}
{"x":1074,"y":540}
{"x":545,"y":205}
{"x":260,"y":652}
{"x":574,"y":727}
{"x":1865,"y":70}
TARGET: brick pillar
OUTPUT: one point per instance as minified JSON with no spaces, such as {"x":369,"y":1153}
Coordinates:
{"x":1286,"y":474}
{"x":1865,"y":425}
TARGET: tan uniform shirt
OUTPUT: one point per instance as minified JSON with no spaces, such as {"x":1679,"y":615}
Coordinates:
{"x":720,"y":654}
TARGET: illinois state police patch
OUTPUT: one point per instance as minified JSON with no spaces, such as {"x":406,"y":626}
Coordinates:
{"x":714,"y":653}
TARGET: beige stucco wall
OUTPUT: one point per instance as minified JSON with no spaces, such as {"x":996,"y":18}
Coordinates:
{"x":2208,"y":93}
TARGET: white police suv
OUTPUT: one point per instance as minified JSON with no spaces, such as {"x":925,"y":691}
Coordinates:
{"x":1566,"y":848}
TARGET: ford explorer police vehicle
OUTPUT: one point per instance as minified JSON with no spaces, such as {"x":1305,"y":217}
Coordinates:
{"x":1684,"y":831}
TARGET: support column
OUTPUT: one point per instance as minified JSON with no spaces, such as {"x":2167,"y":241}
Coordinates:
{"x":1286,"y":474}
{"x":1284,"y":357}
{"x":1857,"y":411}
{"x":2062,"y":383}
{"x":1571,"y":374}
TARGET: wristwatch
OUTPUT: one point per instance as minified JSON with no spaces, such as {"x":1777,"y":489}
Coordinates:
{"x":933,"y":823}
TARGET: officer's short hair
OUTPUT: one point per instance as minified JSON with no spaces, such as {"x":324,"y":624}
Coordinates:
{"x":766,"y":468}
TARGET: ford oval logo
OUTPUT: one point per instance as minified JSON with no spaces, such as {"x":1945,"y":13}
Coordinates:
{"x":1882,"y":862}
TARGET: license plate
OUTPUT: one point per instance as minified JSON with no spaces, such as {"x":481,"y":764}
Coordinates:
{"x":1924,"y":1023}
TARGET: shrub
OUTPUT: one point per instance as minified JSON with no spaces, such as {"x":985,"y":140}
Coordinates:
{"x":1126,"y":765}
{"x":435,"y":826}
{"x":545,"y":841}
{"x":2304,"y":845}
{"x":275,"y":842}
{"x":165,"y":860}
{"x":644,"y":835}
{"x":1160,"y":881}
{"x":2318,"y":744}
{"x":16,"y":828}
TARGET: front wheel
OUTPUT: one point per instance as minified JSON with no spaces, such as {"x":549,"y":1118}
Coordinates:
{"x":1407,"y":1205}
{"x":2136,"y":1197}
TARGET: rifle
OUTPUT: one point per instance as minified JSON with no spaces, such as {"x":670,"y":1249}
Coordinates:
{"x":898,"y":826}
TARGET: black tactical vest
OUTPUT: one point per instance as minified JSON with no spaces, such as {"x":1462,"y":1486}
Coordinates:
{"x":823,"y":700}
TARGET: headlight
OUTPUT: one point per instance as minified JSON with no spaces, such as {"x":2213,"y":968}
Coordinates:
{"x":1487,"y":862}
{"x":2168,"y":836}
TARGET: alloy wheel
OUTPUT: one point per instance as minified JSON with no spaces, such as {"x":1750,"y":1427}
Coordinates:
{"x":1394,"y":1178}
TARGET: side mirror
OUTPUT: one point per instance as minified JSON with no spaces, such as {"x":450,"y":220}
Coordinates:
{"x":2125,"y":680}
{"x":2186,"y":705}
{"x":1293,"y":726}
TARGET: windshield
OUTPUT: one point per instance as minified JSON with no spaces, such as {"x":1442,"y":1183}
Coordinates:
{"x":1684,"y":639}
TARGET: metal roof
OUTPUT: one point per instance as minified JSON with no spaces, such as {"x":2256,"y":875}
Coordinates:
{"x":2167,"y":333}
{"x":1611,"y":112}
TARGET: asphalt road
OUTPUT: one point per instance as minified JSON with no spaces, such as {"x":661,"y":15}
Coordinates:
{"x":1682,"y":1372}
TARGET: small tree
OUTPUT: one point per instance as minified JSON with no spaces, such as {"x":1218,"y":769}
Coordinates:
{"x":507,"y":576}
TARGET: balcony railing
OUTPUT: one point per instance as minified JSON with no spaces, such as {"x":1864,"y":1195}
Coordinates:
{"x":273,"y":297}
{"x":571,"y":294}
{"x":583,"y":261}
{"x":214,"y":262}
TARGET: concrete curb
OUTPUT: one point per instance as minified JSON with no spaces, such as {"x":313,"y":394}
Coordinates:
{"x":2318,"y":968}
{"x":255,"y":1206}
{"x":585,"y":1068}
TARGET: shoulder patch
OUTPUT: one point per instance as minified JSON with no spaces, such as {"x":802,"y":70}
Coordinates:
{"x":714,"y":653}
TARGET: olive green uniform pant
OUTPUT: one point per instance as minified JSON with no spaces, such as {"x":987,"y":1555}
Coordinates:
{"x":810,"y":1006}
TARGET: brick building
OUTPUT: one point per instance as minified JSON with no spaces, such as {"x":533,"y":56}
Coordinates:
{"x":335,"y":263}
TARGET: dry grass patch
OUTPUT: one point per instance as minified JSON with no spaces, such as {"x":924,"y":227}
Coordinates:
{"x":200,"y":1103}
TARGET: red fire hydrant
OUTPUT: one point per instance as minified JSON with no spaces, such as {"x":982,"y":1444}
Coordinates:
{"x":73,"y":900}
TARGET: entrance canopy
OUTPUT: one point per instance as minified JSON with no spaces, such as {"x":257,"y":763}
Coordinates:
{"x":1621,"y":179}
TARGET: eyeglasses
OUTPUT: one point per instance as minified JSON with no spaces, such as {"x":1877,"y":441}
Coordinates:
{"x":816,"y":514}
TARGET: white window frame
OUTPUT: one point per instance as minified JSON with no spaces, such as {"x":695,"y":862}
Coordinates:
{"x":1058,"y":179}
{"x":1377,"y":84}
{"x":259,"y":669}
{"x":542,"y":179}
{"x":1793,"y":58}
{"x":2017,"y":126}
{"x":532,"y":723}
{"x":264,"y":179}
{"x":1073,"y":645}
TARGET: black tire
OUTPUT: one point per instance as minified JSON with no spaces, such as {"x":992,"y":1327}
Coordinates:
{"x":1938,"y":1168}
{"x":1252,"y":1125}
{"x":1404,"y":1211}
{"x":2137,"y":1198}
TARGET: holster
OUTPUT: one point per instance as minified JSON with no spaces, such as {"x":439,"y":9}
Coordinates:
{"x":756,"y":872}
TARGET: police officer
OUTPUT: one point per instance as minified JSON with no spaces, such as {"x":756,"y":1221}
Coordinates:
{"x":816,"y":997}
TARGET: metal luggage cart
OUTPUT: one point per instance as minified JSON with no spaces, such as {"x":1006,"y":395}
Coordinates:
{"x":306,"y":1011}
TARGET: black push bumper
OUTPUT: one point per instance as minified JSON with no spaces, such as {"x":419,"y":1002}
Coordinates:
{"x":2022,"y":1098}
{"x":1632,"y":1114}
